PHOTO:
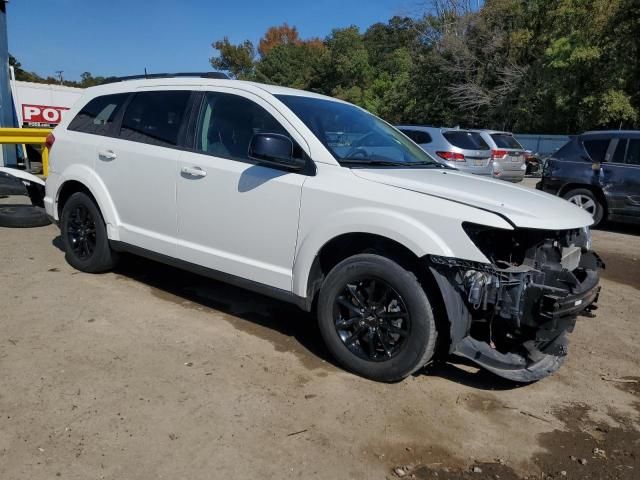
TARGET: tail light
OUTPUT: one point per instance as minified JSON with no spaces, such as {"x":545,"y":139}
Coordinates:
{"x":49,"y":141}
{"x":497,"y":154}
{"x":451,"y":156}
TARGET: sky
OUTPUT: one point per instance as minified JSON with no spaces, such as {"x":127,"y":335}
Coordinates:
{"x":116,"y":37}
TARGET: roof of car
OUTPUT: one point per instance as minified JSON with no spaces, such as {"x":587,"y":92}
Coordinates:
{"x":432,"y":128}
{"x":612,"y":133}
{"x":491,"y":132}
{"x":132,"y":85}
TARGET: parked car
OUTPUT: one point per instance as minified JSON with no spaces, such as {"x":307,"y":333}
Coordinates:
{"x":461,"y":149}
{"x":600,"y":173}
{"x":507,"y":154}
{"x":317,"y":202}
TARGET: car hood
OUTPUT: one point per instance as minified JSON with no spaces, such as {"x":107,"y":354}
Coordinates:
{"x":524,"y":207}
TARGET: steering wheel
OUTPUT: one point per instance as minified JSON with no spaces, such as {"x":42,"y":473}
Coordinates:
{"x":355,"y":152}
{"x":356,"y":147}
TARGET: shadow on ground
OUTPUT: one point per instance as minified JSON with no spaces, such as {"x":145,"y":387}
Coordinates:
{"x":284,"y":325}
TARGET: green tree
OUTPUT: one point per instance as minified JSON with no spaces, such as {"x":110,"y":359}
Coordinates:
{"x":237,"y":60}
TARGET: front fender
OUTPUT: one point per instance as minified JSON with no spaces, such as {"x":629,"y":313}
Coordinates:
{"x":401,"y":228}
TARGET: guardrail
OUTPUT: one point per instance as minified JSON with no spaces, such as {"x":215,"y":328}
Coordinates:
{"x":28,"y":136}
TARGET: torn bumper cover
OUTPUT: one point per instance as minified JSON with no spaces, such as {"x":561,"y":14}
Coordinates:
{"x":513,"y":318}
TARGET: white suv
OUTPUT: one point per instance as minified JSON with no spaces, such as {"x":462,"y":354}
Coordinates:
{"x":314,"y":201}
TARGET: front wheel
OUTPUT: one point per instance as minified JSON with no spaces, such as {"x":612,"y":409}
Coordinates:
{"x":375,"y":318}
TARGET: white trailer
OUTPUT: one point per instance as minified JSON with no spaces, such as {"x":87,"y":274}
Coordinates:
{"x":42,"y":105}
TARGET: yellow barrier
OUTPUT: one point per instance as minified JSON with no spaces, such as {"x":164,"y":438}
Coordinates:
{"x":30,"y":136}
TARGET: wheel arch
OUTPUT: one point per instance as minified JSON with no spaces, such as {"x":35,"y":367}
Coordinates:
{"x":596,"y":190}
{"x":82,"y":179}
{"x":346,"y":245}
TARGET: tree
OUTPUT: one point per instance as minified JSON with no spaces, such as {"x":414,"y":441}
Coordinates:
{"x":22,"y":74}
{"x":237,"y":60}
{"x":276,"y":36}
{"x":293,"y":65}
{"x":546,"y":66}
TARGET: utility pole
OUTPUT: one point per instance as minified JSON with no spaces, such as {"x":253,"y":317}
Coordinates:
{"x":8,"y":152}
{"x":59,"y":74}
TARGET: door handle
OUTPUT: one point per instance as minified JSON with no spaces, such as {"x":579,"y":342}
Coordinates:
{"x":107,"y":155}
{"x":193,"y":172}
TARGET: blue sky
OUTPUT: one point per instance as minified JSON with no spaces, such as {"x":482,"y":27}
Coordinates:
{"x":116,"y":37}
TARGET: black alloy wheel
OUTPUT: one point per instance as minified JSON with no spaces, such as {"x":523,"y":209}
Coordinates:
{"x":375,"y":318}
{"x":372,"y":319}
{"x":84,"y":235}
{"x":81,"y":232}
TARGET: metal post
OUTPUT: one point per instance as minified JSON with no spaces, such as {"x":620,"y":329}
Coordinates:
{"x":8,"y":156}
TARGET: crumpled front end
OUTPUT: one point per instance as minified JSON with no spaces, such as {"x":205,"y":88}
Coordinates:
{"x":512,"y":316}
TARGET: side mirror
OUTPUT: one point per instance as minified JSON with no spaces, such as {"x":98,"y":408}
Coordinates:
{"x":274,"y":149}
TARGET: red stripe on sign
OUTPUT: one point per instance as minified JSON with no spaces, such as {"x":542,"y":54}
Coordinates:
{"x":42,"y":113}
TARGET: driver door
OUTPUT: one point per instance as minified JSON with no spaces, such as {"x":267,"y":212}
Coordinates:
{"x":234,"y":215}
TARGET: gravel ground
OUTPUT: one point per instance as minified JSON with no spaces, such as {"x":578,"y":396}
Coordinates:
{"x":150,"y":372}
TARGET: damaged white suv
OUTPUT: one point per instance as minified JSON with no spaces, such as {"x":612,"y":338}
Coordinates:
{"x":315,"y":201}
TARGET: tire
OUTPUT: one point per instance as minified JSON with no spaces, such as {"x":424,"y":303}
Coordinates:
{"x":394,"y":336}
{"x":588,"y":201}
{"x":23,"y":216}
{"x":84,"y":235}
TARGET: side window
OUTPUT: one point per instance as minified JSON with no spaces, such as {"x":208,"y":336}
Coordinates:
{"x":155,"y":117}
{"x":597,"y":148}
{"x":621,"y":148}
{"x":417,"y":136}
{"x":97,"y":116}
{"x":228,"y":122}
{"x":633,"y":152}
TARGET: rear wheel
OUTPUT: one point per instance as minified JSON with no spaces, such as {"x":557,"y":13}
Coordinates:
{"x":588,"y":201}
{"x":375,"y":318}
{"x":84,"y":235}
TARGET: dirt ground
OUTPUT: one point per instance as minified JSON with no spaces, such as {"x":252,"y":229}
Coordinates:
{"x":149,"y":372}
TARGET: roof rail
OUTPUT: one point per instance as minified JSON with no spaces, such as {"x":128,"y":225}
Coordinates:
{"x":148,"y":76}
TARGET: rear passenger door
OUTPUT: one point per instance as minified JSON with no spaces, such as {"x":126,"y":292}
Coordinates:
{"x":621,"y":177}
{"x":138,"y":165}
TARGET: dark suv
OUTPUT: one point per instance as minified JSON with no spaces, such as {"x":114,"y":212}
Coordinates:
{"x":599,"y":172}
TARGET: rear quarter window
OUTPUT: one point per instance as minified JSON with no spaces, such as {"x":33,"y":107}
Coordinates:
{"x":417,"y":136}
{"x":97,"y":116}
{"x":466,"y":140}
{"x":504,"y":140}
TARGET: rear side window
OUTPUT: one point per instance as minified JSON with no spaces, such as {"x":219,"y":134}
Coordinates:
{"x":97,"y":116}
{"x":466,"y":140}
{"x":633,"y":152}
{"x":597,"y":148}
{"x":504,"y":140}
{"x":621,"y":149}
{"x":417,"y":136}
{"x":155,"y":117}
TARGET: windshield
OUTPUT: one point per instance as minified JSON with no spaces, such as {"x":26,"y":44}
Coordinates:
{"x":355,"y":137}
{"x":504,"y":140}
